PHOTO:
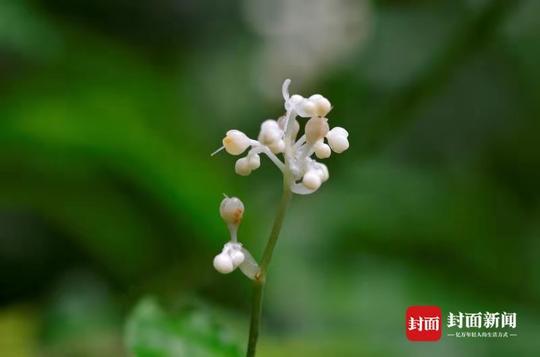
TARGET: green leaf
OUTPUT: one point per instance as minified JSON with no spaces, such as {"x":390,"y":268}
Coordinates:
{"x":194,"y":332}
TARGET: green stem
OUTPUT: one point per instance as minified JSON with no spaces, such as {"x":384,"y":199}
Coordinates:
{"x":256,"y":312}
{"x":258,"y":284}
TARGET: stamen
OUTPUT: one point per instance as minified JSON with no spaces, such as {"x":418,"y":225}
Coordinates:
{"x":218,"y":150}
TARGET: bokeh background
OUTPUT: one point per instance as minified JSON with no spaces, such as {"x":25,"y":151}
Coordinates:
{"x":109,"y":198}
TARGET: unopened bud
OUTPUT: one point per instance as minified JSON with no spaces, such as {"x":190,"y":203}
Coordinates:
{"x":294,"y":101}
{"x":312,"y":180}
{"x":223,"y":263}
{"x":237,"y":257}
{"x":322,"y":150}
{"x":295,"y":126}
{"x":270,"y":132}
{"x":241,"y":167}
{"x":305,"y":108}
{"x":322,"y":170}
{"x":337,"y":139}
{"x":316,"y":129}
{"x":231,"y":210}
{"x":277,"y":147}
{"x":321,"y":105}
{"x":254,"y":161}
{"x":236,"y":142}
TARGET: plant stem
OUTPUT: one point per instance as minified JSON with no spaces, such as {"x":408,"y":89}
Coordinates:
{"x":256,"y":311}
{"x":258,"y":284}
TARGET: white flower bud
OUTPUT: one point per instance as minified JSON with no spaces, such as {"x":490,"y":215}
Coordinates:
{"x":312,"y":180}
{"x":242,"y":167}
{"x":322,"y":151}
{"x":231,"y":210}
{"x":321,"y":105}
{"x":323,"y":171}
{"x":293,"y":102}
{"x":339,"y":144}
{"x":337,"y":138}
{"x":277,"y":147}
{"x":305,"y":108}
{"x":270,"y":132}
{"x":236,"y":142}
{"x":316,"y":129}
{"x":254,"y":161}
{"x":237,"y":257}
{"x":223,"y":263}
{"x":295,"y":126}
{"x":280,"y":136}
{"x":339,"y":131}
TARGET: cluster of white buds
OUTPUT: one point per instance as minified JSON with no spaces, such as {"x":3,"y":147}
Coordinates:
{"x":303,"y":174}
{"x":233,"y":254}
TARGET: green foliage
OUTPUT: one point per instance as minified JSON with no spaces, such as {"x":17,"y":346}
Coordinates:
{"x":152,"y":332}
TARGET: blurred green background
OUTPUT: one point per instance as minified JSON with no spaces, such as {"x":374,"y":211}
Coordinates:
{"x":109,"y":198}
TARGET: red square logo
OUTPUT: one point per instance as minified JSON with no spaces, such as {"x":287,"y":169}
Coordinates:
{"x":423,"y":323}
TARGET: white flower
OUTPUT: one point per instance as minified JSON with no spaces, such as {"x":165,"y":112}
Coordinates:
{"x":302,"y":173}
{"x":234,"y":255}
{"x":312,"y":180}
{"x":254,"y":161}
{"x":294,"y":102}
{"x":231,"y":210}
{"x":337,"y":138}
{"x":236,"y":142}
{"x":322,"y":171}
{"x":237,"y":257}
{"x":270,"y":132}
{"x":277,"y":147}
{"x":305,"y":108}
{"x":321,"y":105}
{"x":294,"y":129}
{"x":316,"y":129}
{"x":223,"y":263}
{"x":322,"y":150}
{"x":230,"y":258}
{"x":242,"y":167}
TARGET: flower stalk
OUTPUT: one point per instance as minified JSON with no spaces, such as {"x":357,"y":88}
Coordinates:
{"x":260,"y":278}
{"x":302,"y":175}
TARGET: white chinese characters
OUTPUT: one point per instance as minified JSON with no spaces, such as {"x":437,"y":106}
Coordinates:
{"x":479,"y":320}
{"x":424,"y":323}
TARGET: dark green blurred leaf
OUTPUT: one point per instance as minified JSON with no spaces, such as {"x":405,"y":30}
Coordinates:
{"x":25,"y":31}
